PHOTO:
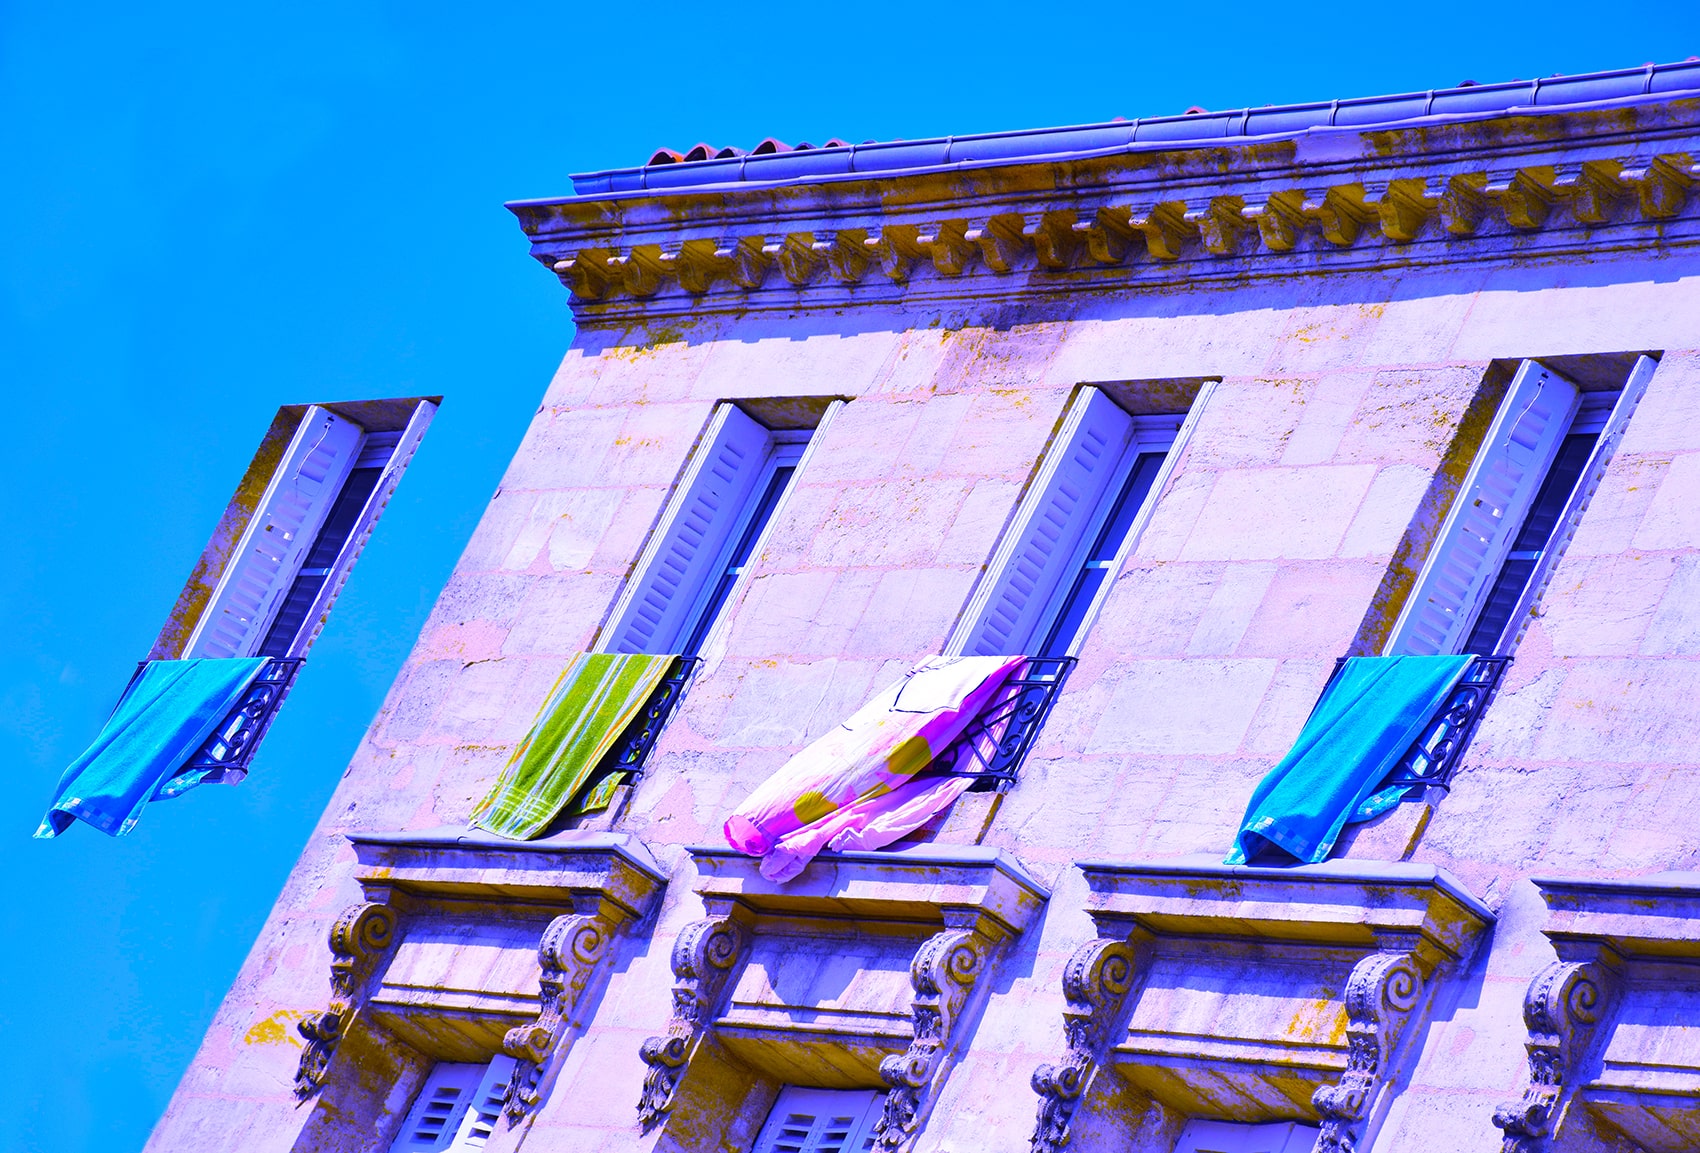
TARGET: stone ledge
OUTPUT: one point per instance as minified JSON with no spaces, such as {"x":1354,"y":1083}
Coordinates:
{"x":469,"y":864}
{"x":1396,"y":905}
{"x":1650,"y":918}
{"x":925,"y":883}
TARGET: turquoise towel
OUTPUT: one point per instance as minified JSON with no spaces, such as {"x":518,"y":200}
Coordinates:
{"x":1366,"y":720}
{"x":165,"y":716}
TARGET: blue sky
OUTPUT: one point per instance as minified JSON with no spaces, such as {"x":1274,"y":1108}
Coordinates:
{"x":208,"y":211}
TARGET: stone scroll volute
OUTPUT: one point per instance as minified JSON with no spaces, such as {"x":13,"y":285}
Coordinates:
{"x":704,"y":958}
{"x":358,"y":938}
{"x":568,"y":954}
{"x":1380,"y":993}
{"x":1096,"y":984}
{"x":1562,"y":1010}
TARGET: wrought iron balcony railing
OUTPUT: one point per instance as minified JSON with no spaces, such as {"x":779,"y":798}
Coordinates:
{"x":632,"y":749}
{"x":232,"y":745}
{"x":994,"y":745}
{"x":226,"y":753}
{"x":1436,"y":755}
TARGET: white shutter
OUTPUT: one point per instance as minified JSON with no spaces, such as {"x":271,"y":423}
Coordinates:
{"x":1491,"y":504}
{"x":1042,"y":545}
{"x":398,"y":461}
{"x":265,"y":560}
{"x":439,"y":1110}
{"x":692,"y":538}
{"x":479,"y":1121}
{"x":821,"y":1121}
{"x":1201,"y":1136}
{"x":1565,"y":527}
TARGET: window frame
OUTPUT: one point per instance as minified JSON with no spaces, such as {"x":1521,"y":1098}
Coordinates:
{"x":1168,"y":433}
{"x":1611,"y":418}
{"x":782,"y":448}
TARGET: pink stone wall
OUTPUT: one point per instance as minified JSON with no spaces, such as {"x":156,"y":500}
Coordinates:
{"x":1340,"y":400}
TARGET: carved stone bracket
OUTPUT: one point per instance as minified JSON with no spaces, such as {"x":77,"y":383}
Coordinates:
{"x":1564,"y":1003}
{"x":943,"y":973}
{"x":358,"y":938}
{"x":1096,"y":983}
{"x":704,"y":956}
{"x":569,"y":952}
{"x":1380,"y":994}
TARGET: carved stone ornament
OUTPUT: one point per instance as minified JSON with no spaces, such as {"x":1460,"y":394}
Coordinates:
{"x":1380,"y":994}
{"x":704,"y":957}
{"x":1564,"y":1003}
{"x":1096,"y":983}
{"x":943,"y":973}
{"x":571,"y":947}
{"x":359,"y":937}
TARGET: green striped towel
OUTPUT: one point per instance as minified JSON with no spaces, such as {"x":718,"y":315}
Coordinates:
{"x":587,"y":710}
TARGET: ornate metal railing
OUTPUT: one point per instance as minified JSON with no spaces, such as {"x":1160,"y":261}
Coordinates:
{"x":632,"y":749}
{"x":994,"y":745}
{"x":1436,"y":755}
{"x":226,"y":754}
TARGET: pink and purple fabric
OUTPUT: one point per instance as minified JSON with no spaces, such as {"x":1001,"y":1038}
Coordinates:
{"x":861,"y":785}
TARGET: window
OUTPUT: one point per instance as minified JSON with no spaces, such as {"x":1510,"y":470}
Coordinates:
{"x":457,"y":1107}
{"x":308,"y":526}
{"x":1081,"y":517}
{"x":1232,"y":1137}
{"x":821,"y":1121}
{"x":1519,"y":503}
{"x":709,"y":532}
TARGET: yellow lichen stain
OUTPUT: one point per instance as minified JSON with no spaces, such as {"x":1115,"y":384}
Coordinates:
{"x":1318,"y":1022}
{"x":278,"y":1029}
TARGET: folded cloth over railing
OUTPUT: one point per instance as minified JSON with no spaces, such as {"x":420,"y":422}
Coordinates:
{"x":1367,"y":718}
{"x":162,"y":720}
{"x":857,"y":786}
{"x":590,"y":706}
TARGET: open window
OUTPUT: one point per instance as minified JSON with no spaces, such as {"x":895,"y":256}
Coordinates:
{"x":197,"y":707}
{"x":1081,"y":517}
{"x":709,"y":532}
{"x":1517,"y":508}
{"x":1234,"y":1137}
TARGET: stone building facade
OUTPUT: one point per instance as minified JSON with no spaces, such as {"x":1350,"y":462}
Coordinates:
{"x":1329,"y":315}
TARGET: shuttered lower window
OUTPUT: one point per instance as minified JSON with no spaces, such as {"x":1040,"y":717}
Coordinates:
{"x":709,"y":532}
{"x":456,"y":1109}
{"x":1519,"y":503}
{"x":1079,"y":520}
{"x":821,"y":1121}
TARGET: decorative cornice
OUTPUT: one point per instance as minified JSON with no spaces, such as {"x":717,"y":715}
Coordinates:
{"x":1508,"y":188}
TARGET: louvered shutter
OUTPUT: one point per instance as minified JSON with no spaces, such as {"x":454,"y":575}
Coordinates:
{"x":288,"y":515}
{"x":399,"y":459}
{"x":1565,"y":527}
{"x":439,"y":1110}
{"x":1491,"y":505}
{"x":693,"y":538}
{"x":485,"y":1109}
{"x":821,"y":1121}
{"x":1042,"y":545}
